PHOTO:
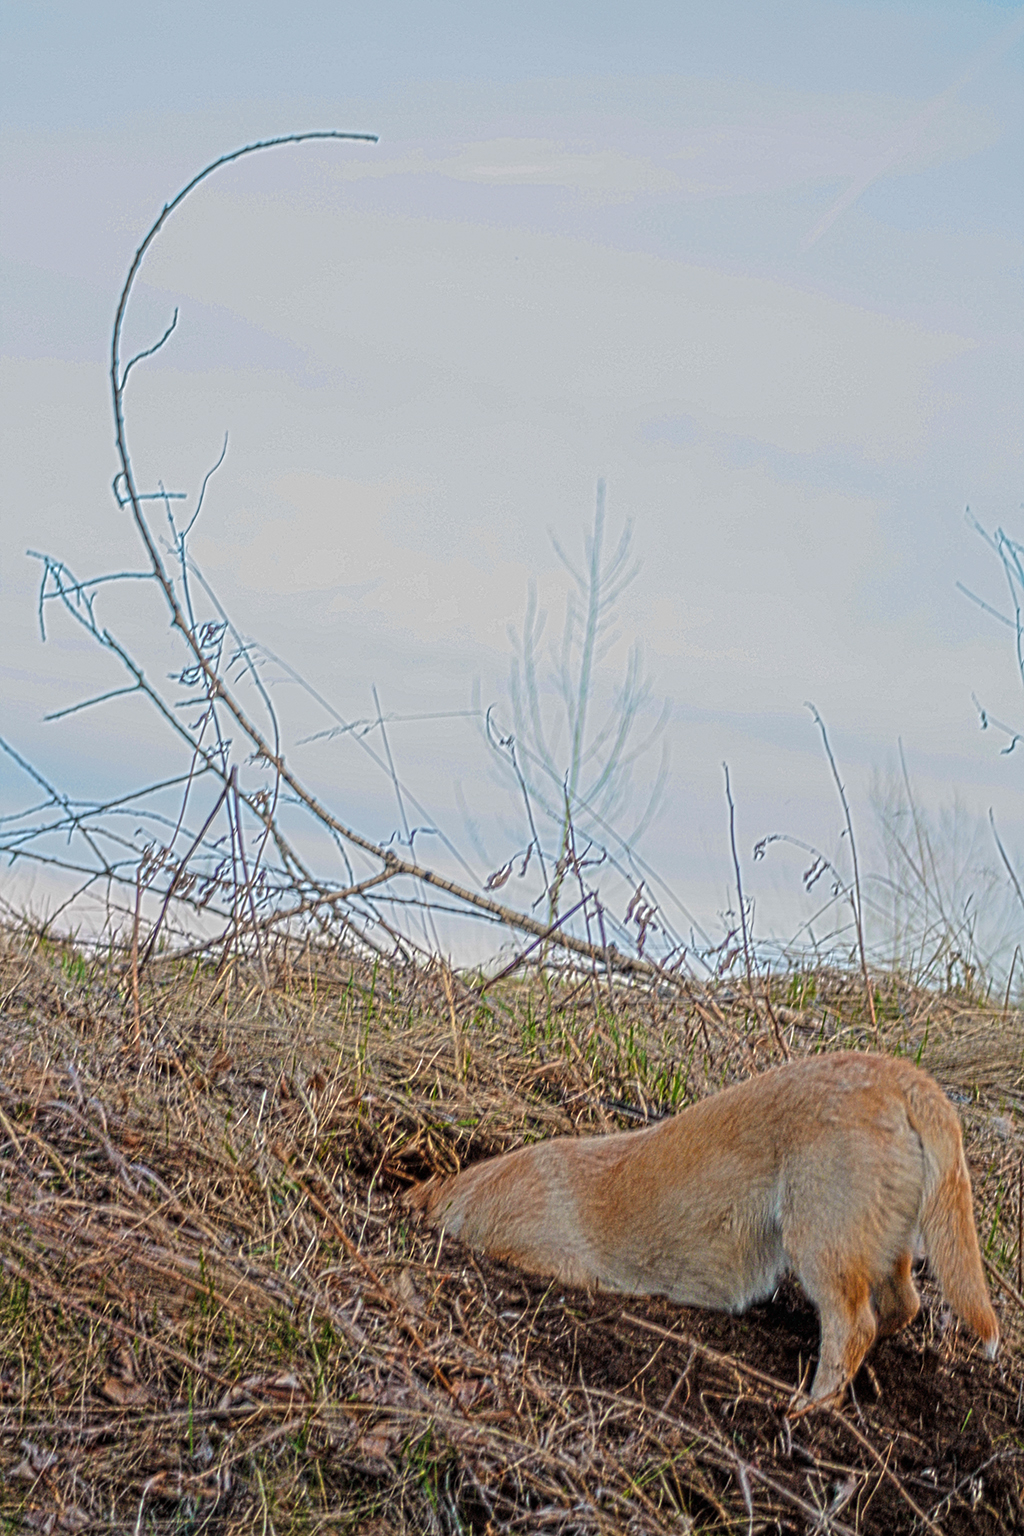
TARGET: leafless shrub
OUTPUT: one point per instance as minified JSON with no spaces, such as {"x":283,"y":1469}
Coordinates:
{"x":231,"y":847}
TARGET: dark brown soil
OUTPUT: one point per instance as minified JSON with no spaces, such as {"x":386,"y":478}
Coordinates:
{"x":928,"y":1420}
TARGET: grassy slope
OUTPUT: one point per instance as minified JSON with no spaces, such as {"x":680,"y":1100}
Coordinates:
{"x":215,"y":1316}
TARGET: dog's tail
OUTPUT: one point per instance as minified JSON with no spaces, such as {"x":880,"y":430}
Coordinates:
{"x":947,"y":1215}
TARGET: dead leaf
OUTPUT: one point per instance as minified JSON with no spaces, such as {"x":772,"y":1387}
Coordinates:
{"x":41,"y":1520}
{"x":407,"y":1293}
{"x":467,"y":1391}
{"x":126,"y":1394}
{"x":73,"y":1519}
{"x":36,"y":1460}
{"x":374,"y":1446}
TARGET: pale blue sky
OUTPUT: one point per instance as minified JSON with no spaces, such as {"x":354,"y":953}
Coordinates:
{"x":758,"y":266}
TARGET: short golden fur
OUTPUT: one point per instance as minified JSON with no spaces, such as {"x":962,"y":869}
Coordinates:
{"x":833,"y":1168}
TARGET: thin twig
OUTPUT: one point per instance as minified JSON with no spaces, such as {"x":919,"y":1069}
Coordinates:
{"x":739,"y":884}
{"x":868,"y":993}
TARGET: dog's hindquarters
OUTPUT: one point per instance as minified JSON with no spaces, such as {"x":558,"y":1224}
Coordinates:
{"x":853,"y":1203}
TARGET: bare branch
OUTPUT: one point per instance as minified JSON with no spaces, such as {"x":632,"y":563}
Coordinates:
{"x":149,"y":350}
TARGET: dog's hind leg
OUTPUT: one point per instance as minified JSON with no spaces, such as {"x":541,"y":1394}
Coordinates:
{"x":848,"y":1323}
{"x":896,"y":1300}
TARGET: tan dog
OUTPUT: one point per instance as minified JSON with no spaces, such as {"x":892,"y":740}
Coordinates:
{"x":832,"y":1168}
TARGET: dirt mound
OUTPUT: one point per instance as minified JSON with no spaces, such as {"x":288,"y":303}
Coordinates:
{"x":931,"y":1433}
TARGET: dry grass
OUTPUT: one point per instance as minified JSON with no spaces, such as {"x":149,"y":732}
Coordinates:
{"x":214,"y":1314}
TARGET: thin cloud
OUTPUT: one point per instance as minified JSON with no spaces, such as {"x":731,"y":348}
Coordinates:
{"x":907,"y":138}
{"x":605,"y":174}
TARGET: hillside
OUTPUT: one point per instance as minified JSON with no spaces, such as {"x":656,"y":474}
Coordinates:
{"x":216,"y":1316}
